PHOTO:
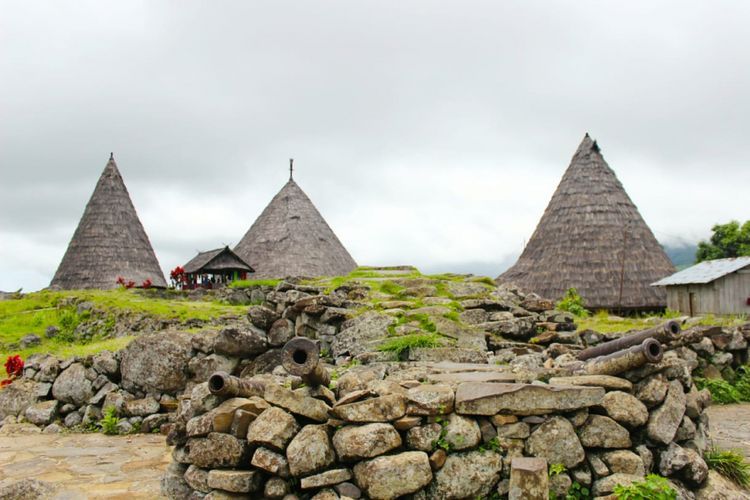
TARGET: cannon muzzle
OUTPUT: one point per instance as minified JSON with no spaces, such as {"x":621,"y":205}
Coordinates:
{"x":665,"y":333}
{"x":300,"y":356}
{"x":226,"y":385}
{"x":649,"y":351}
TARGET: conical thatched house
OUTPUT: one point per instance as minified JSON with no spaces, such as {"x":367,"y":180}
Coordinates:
{"x":291,"y":238}
{"x":592,"y":237}
{"x":109,"y":242}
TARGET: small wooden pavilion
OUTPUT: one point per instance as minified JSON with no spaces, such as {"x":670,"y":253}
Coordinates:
{"x":215,"y":268}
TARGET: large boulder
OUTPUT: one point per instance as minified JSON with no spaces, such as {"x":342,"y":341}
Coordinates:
{"x":603,"y":432}
{"x":156,"y":362}
{"x":666,"y":419}
{"x":310,"y":451}
{"x":72,"y":386}
{"x":357,"y":442}
{"x":358,"y":333}
{"x":18,"y":396}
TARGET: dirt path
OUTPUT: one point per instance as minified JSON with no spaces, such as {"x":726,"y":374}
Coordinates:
{"x":86,"y":465}
{"x":96,"y":466}
{"x":730,"y":426}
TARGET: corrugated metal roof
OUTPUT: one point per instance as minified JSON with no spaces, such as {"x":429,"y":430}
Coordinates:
{"x":705,"y":272}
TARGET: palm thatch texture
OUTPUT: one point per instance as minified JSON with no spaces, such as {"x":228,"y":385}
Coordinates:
{"x":109,"y":242}
{"x":291,"y":238}
{"x":592,"y":237}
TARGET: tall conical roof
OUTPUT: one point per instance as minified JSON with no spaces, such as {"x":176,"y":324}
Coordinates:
{"x":291,"y":238}
{"x":109,"y":241}
{"x":593,"y":238}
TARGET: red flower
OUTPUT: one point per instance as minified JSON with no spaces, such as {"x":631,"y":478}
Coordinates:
{"x":5,"y":382}
{"x":14,"y":366}
{"x":120,"y":281}
{"x":130,"y":284}
{"x":147,"y":283}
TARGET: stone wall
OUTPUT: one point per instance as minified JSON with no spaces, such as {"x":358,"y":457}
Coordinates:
{"x":445,"y":415}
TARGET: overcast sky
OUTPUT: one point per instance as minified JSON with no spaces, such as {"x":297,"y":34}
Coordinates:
{"x":427,"y":133}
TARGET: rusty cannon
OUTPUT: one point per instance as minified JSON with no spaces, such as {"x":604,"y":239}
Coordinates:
{"x":665,"y":333}
{"x":229,"y":386}
{"x":300,"y":356}
{"x":648,"y":351}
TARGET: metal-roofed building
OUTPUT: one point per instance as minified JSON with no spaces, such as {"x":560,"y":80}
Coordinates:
{"x":720,"y":286}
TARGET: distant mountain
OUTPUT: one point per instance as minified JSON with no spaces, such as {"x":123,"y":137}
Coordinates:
{"x":681,"y":254}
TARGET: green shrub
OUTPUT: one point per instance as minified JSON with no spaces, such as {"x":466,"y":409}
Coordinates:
{"x":109,"y":421}
{"x":730,"y":464}
{"x":722,"y":392}
{"x":572,"y":302}
{"x":652,"y":488}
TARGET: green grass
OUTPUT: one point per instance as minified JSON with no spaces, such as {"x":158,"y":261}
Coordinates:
{"x":34,"y":312}
{"x":730,"y":464}
{"x":402,"y":344}
{"x":735,"y":390}
{"x":602,"y":322}
{"x":652,"y":488}
{"x":67,"y":350}
{"x":252,"y":283}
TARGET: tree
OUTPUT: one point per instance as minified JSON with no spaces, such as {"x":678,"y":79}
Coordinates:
{"x":728,"y":240}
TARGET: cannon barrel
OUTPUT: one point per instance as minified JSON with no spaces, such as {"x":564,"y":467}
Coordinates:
{"x":662,"y":333}
{"x":226,"y":385}
{"x":649,"y":351}
{"x":300,"y":356}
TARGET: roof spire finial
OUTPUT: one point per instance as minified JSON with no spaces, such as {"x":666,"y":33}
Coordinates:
{"x":291,"y":168}
{"x":111,"y":156}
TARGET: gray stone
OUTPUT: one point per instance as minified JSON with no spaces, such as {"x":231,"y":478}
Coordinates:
{"x":273,"y":428}
{"x":467,"y":475}
{"x":281,"y":332}
{"x":606,"y":381}
{"x":624,"y":462}
{"x":106,"y":363}
{"x":49,"y":368}
{"x":197,"y":479}
{"x":141,"y":407}
{"x":625,"y":408}
{"x":310,"y":451}
{"x":429,"y":399}
{"x":686,"y":463}
{"x":203,"y":368}
{"x":124,"y":427}
{"x":606,"y":485}
{"x":357,"y":333}
{"x":72,"y":386}
{"x":297,"y":403}
{"x":423,"y":438}
{"x":102,"y":393}
{"x":389,"y":477}
{"x":528,"y":479}
{"x":366,"y":441}
{"x":518,"y":430}
{"x":91,"y":415}
{"x":462,"y":433}
{"x":235,"y":481}
{"x":154,"y":422}
{"x":245,"y":343}
{"x":173,"y":483}
{"x":666,"y":419}
{"x":277,"y":488}
{"x":201,"y":399}
{"x":380,"y":409}
{"x":262,"y":317}
{"x":686,"y":431}
{"x":327,"y":478}
{"x":52,"y":429}
{"x":523,"y":399}
{"x":217,"y":450}
{"x":603,"y":432}
{"x":156,"y":362}
{"x":72,"y":419}
{"x":19,"y":395}
{"x":348,"y":490}
{"x":652,"y":390}
{"x":271,"y":462}
{"x":559,"y":484}
{"x":556,"y":441}
{"x":43,"y":413}
{"x":717,"y":487}
{"x":27,"y":489}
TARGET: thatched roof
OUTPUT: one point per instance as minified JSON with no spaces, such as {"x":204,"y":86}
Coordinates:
{"x":592,"y":237}
{"x":215,"y":261}
{"x":291,"y":238}
{"x":109,"y":241}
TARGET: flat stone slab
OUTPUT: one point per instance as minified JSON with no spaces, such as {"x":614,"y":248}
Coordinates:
{"x":456,"y":378}
{"x":523,"y":399}
{"x":606,"y":381}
